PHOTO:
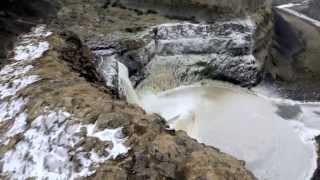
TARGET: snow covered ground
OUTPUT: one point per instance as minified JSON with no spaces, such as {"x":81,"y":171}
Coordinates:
{"x":49,"y":147}
{"x":14,"y":77}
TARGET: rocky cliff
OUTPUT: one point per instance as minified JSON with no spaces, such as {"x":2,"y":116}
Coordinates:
{"x":207,"y":10}
{"x":295,"y":54}
{"x":129,"y":30}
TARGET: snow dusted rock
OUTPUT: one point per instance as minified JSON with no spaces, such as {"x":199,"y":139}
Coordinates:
{"x":14,"y":78}
{"x":59,"y":122}
{"x":166,"y":56}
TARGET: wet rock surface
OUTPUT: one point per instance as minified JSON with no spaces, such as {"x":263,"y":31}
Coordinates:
{"x":294,"y":67}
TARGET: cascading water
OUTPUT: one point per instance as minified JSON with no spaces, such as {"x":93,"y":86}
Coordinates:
{"x":186,"y":53}
{"x":125,"y":85}
{"x":115,"y":75}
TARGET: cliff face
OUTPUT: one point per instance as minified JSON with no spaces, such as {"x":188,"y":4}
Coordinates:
{"x":201,"y":9}
{"x":125,"y":28}
{"x":236,"y":68}
{"x":295,"y":55}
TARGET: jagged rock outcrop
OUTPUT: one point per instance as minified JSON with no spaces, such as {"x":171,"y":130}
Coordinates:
{"x":69,"y":127}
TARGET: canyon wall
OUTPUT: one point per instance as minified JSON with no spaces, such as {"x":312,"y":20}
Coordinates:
{"x":129,"y":32}
{"x":295,"y":54}
{"x":198,"y":9}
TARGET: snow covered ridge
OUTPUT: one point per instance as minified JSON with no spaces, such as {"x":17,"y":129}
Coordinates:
{"x":14,"y":77}
{"x":51,"y":146}
{"x":286,"y":8}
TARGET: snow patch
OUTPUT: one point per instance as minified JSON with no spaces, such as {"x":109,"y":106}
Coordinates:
{"x":11,"y":88}
{"x":113,"y":135}
{"x":43,"y":144}
{"x":9,"y":109}
{"x":14,"y":78}
{"x":289,"y":5}
{"x":49,"y":145}
{"x":18,"y":126}
{"x":39,"y":31}
{"x":30,"y":51}
{"x":287,"y":9}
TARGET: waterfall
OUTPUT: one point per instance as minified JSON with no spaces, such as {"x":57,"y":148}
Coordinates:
{"x":125,"y":86}
{"x":115,"y":75}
